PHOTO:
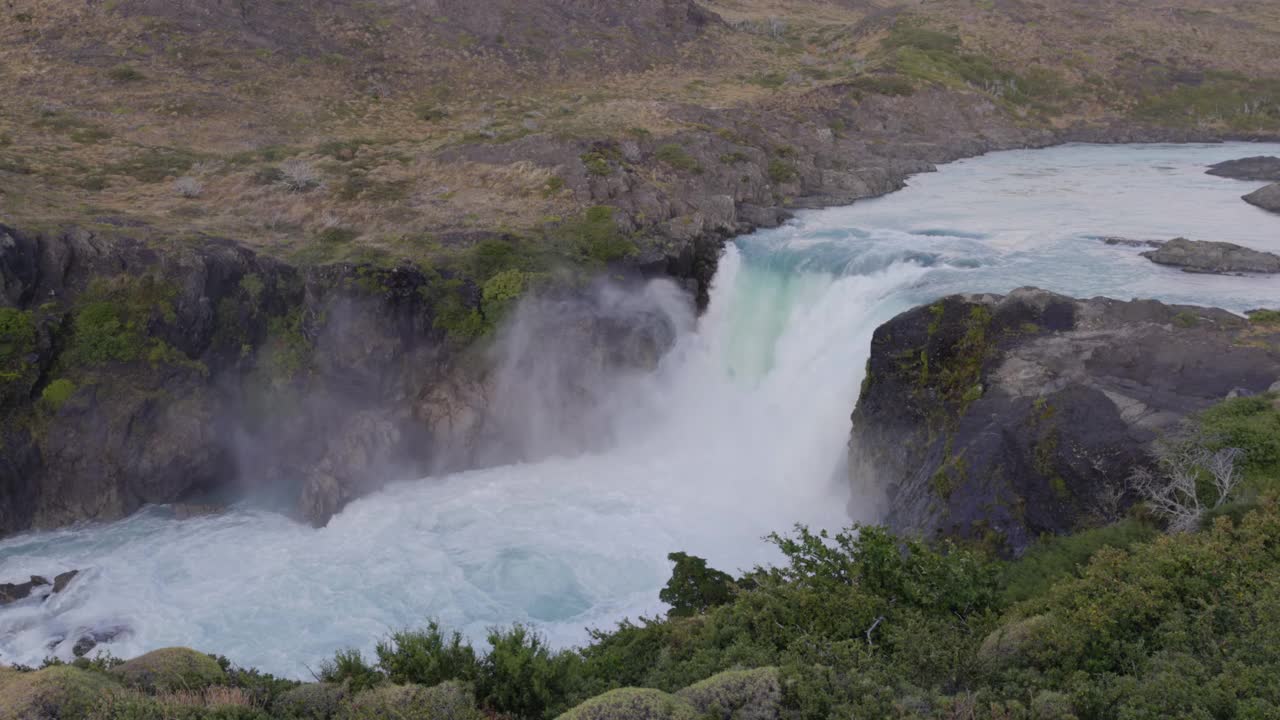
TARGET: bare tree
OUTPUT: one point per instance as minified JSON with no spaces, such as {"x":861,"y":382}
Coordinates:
{"x":1172,"y":489}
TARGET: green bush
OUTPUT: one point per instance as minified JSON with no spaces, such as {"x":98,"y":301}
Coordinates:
{"x":59,"y":691}
{"x":501,"y":292}
{"x":122,"y":74}
{"x":349,"y":668}
{"x":737,"y":695}
{"x":677,"y":157}
{"x":521,"y":676}
{"x":427,"y":657}
{"x":633,"y":704}
{"x":1251,"y":424}
{"x":17,"y":341}
{"x":337,"y":235}
{"x":781,"y":171}
{"x":596,"y":236}
{"x":1057,"y":558}
{"x":448,"y":701}
{"x":694,"y":588}
{"x":170,"y":669}
{"x":313,"y":701}
{"x":1265,"y":317}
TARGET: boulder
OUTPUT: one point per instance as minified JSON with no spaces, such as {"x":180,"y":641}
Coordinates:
{"x":633,"y":704}
{"x":1221,"y":258}
{"x":170,"y":669}
{"x":1267,"y":198}
{"x":1000,"y":418}
{"x":55,"y":692}
{"x":1261,"y":168}
{"x":737,"y":695}
{"x":13,"y":592}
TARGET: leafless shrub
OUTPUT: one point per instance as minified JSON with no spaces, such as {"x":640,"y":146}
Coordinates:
{"x":188,"y":187}
{"x":299,"y":176}
{"x":1173,"y":489}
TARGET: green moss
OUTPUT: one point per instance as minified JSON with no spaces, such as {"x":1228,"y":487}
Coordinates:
{"x":1265,"y":317}
{"x":288,"y":350}
{"x":633,"y":704}
{"x":596,"y":237}
{"x":598,"y":162}
{"x":677,"y":157}
{"x":1251,"y":424}
{"x":17,"y":341}
{"x":57,"y":393}
{"x":60,"y":691}
{"x":337,"y":235}
{"x":114,"y":320}
{"x":1186,"y":319}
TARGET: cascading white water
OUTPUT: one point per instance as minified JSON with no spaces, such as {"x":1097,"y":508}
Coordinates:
{"x":739,"y":432}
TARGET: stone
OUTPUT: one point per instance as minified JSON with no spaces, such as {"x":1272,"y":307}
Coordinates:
{"x":1267,"y":198}
{"x":1213,"y":257}
{"x":61,"y":582}
{"x":998,"y":419}
{"x":1261,"y":168}
{"x":13,"y":592}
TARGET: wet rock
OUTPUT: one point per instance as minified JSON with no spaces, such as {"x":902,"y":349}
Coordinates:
{"x":1267,"y":198}
{"x":61,"y":582}
{"x":1220,"y":258}
{"x":1130,"y":242}
{"x":90,"y":640}
{"x":1261,"y":168}
{"x":997,"y":419}
{"x":13,"y":592}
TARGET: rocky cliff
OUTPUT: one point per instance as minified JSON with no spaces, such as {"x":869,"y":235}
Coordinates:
{"x":203,"y":371}
{"x":999,"y":418}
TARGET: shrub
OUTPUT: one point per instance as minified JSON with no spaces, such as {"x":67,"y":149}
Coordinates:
{"x":337,"y":235}
{"x":122,"y":74}
{"x":1057,"y":558}
{"x":1265,"y":317}
{"x":781,"y":171}
{"x":596,"y":236}
{"x":449,"y":701}
{"x":1251,"y":424}
{"x":299,"y":176}
{"x":313,"y":701}
{"x":427,"y":657}
{"x":521,"y":676}
{"x":349,"y":668}
{"x":633,"y":704}
{"x":57,"y":393}
{"x":429,"y":112}
{"x":188,"y":187}
{"x":677,"y":157}
{"x":58,"y":691}
{"x":169,"y":670}
{"x":17,"y":341}
{"x":501,"y":291}
{"x":694,"y":587}
{"x":737,"y":695}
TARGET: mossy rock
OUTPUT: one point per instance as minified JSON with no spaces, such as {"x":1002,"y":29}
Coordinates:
{"x":737,"y":695}
{"x":1012,"y":643}
{"x":313,"y":701}
{"x":55,"y":692}
{"x":171,"y":669}
{"x":446,"y":701}
{"x":633,"y":704}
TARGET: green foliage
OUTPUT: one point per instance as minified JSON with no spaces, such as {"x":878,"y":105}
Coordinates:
{"x":521,"y":676}
{"x":116,"y":321}
{"x":737,"y":694}
{"x":313,"y":701}
{"x":598,"y":162}
{"x":287,"y":350}
{"x":153,"y":165}
{"x":1265,"y":317}
{"x":349,"y":668}
{"x":694,"y":588}
{"x":920,"y":38}
{"x":17,"y":341}
{"x":596,"y":237}
{"x":633,"y":704}
{"x":1186,"y":319}
{"x":501,"y":291}
{"x":1056,"y":558}
{"x":677,"y":157}
{"x":170,"y":669}
{"x":429,"y":112}
{"x":337,"y":235}
{"x":410,"y":702}
{"x":124,"y":74}
{"x":891,"y":85}
{"x":57,"y":393}
{"x":427,"y":657}
{"x":1235,"y":101}
{"x":781,"y":171}
{"x":1251,"y":424}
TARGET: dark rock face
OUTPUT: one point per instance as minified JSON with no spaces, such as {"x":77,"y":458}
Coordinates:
{"x":997,"y":419}
{"x":1267,"y":198}
{"x":1261,"y":168}
{"x":201,"y":374}
{"x":13,"y":592}
{"x":1213,"y":257}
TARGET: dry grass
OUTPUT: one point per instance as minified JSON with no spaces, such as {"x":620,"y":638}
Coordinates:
{"x":88,"y":91}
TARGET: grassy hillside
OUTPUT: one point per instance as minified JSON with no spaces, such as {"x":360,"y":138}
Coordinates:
{"x":343,"y":130}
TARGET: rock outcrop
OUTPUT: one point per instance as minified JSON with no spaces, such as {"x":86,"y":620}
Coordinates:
{"x":1000,"y":418}
{"x":1261,"y":168}
{"x":13,"y":592}
{"x":1267,"y":198}
{"x":203,"y":372}
{"x":1198,"y":256}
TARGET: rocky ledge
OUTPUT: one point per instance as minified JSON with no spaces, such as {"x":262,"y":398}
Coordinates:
{"x":1261,"y":168}
{"x":1267,"y":198}
{"x":1000,"y":418}
{"x":1198,"y":256}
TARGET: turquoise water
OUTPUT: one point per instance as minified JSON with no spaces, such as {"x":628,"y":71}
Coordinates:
{"x":740,"y":431}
